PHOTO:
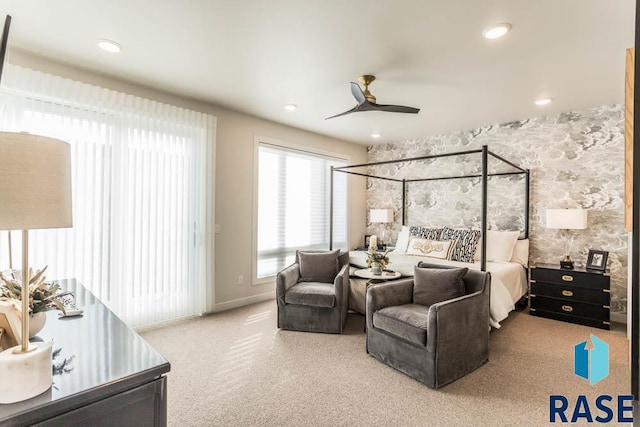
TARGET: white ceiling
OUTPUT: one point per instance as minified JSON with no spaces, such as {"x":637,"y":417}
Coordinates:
{"x":256,"y":56}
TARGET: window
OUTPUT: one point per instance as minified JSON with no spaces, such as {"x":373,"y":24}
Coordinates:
{"x":293,"y":206}
{"x":140,"y":198}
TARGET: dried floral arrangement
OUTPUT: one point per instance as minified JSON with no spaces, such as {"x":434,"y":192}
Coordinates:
{"x":43,"y":295}
{"x":379,"y":257}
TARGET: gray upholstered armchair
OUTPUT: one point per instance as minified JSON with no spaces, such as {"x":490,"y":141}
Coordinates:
{"x":312,"y":294}
{"x":435,"y":343}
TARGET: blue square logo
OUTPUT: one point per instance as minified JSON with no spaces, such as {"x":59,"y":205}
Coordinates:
{"x":591,"y":364}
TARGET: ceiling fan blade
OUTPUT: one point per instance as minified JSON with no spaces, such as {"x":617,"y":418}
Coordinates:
{"x":357,"y":93}
{"x":396,"y":108}
{"x":353,"y":110}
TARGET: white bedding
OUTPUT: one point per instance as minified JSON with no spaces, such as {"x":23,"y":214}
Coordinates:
{"x":508,"y":280}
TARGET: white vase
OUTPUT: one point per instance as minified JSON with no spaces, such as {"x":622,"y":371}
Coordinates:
{"x":36,"y":323}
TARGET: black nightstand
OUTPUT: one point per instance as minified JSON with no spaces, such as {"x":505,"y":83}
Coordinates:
{"x":577,"y":296}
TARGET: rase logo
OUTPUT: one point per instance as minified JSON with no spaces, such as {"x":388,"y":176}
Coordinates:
{"x":593,"y":365}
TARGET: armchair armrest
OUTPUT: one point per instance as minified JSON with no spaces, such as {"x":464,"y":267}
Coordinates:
{"x":341,"y":284}
{"x":457,"y":324}
{"x":387,"y":294}
{"x":285,"y":279}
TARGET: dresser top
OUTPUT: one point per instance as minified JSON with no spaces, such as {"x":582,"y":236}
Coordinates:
{"x":103,"y":356}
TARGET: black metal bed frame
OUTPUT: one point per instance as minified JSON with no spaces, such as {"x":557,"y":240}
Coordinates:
{"x":484,"y":175}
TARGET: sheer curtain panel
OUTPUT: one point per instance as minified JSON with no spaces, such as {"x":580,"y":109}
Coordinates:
{"x":142,"y":204}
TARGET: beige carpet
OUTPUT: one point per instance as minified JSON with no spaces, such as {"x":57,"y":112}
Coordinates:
{"x":237,"y":368}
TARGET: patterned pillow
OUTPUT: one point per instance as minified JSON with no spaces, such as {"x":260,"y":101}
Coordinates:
{"x":467,"y":241}
{"x":425,"y":233}
{"x":431,"y":248}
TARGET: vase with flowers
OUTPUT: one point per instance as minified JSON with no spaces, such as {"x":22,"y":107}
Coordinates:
{"x":43,"y":296}
{"x":377,"y":261}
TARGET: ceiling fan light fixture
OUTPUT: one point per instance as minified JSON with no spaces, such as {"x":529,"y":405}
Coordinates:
{"x":543,"y":101}
{"x":291,"y":107}
{"x":496,"y":31}
{"x":109,"y":46}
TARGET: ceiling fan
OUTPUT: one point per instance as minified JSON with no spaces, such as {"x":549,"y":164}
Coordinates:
{"x":367,"y":102}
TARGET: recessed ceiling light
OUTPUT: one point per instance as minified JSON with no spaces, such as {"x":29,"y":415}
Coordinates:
{"x":496,"y":31}
{"x":375,"y":135}
{"x":543,"y":101}
{"x":109,"y":46}
{"x":291,"y":107}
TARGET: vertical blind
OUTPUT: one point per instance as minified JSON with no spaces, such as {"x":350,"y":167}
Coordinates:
{"x":140,"y":194}
{"x":293,"y":206}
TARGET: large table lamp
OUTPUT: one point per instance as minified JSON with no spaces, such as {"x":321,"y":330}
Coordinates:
{"x":566,"y":220}
{"x":383,"y":216}
{"x":35,"y":193}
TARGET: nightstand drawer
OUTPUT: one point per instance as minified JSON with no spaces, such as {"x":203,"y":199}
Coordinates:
{"x":570,"y":293}
{"x":571,"y":308}
{"x":570,"y":277}
{"x":573,"y":319}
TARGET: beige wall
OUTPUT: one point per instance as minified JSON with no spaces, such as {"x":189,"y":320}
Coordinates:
{"x":234,"y":158}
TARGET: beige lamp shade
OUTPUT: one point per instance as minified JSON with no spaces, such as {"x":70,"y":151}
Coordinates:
{"x":568,"y":219}
{"x":35,"y":182}
{"x":381,"y":215}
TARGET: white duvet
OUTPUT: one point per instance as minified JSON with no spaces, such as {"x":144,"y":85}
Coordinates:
{"x":508,"y":279}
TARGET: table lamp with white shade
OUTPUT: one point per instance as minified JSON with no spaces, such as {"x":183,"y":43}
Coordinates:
{"x":35,"y":193}
{"x":383,"y":216}
{"x":565,"y":220}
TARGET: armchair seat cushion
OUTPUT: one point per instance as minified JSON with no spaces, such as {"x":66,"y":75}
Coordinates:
{"x":408,"y":321}
{"x":313,"y":294}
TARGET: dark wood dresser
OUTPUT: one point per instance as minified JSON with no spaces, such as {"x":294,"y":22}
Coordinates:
{"x":577,"y":296}
{"x":111,"y":377}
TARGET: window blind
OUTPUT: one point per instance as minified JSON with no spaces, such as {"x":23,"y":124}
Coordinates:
{"x":293,"y":206}
{"x":140,"y":194}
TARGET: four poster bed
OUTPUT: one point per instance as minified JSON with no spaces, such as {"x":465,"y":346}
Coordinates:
{"x":509,"y":279}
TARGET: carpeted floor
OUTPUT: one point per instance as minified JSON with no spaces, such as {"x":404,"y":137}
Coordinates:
{"x":237,"y":368}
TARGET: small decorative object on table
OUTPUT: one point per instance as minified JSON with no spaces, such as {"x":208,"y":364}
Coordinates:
{"x":43,"y":296}
{"x":597,"y":260}
{"x":376,"y":261}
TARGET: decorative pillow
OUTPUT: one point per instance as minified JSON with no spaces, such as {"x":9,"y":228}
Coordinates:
{"x":521,"y":252}
{"x":433,"y":285}
{"x":318,"y":266}
{"x":403,"y":240}
{"x":431,"y":248}
{"x":500,"y":245}
{"x":466,"y":242}
{"x":425,"y":233}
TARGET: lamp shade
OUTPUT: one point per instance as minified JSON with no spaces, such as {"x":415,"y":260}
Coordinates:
{"x":381,"y":215}
{"x":35,"y":182}
{"x":568,"y":219}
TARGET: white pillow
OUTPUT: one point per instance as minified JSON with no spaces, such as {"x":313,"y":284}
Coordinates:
{"x":500,"y":245}
{"x":431,"y":248}
{"x":521,"y":252}
{"x":403,"y":240}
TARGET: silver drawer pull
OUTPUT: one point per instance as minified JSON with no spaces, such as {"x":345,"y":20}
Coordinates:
{"x":567,"y":293}
{"x":567,"y":278}
{"x":567,"y":308}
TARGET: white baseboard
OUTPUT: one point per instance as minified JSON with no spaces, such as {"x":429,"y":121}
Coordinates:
{"x":241,"y":302}
{"x":618,"y":317}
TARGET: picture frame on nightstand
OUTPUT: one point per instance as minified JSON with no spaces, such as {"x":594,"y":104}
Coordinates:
{"x":597,"y":260}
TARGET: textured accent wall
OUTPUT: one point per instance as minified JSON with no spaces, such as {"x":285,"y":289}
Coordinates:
{"x":576,"y":160}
